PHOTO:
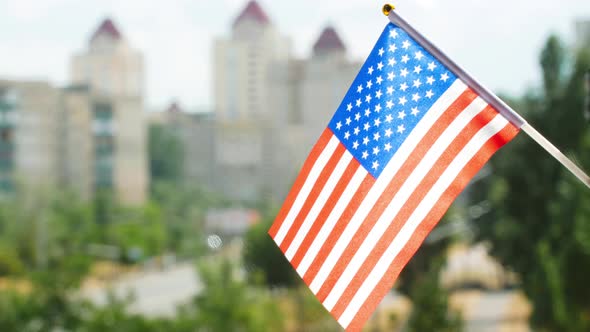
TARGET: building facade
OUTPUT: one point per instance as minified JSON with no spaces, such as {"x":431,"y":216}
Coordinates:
{"x":270,"y":108}
{"x":113,"y":74}
{"x":88,"y":136}
{"x":29,"y":140}
{"x":582,"y":33}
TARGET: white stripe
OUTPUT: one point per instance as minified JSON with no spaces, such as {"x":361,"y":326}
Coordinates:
{"x":410,"y":184}
{"x":404,"y":151}
{"x":426,"y":205}
{"x":306,"y":188}
{"x":334,"y":216}
{"x":319,"y":204}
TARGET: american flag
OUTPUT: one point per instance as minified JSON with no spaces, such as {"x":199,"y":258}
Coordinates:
{"x":405,"y":141}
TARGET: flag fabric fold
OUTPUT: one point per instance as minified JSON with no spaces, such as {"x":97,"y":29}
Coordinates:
{"x":408,"y":136}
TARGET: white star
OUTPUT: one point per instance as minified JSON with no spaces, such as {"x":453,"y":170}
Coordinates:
{"x":369,"y":84}
{"x":376,"y":136}
{"x":401,"y":129}
{"x":390,"y":76}
{"x":418,"y":55}
{"x":417,"y":69}
{"x":393,"y":34}
{"x":431,"y":66}
{"x":366,"y":140}
{"x":429,"y":94}
{"x":390,"y":90}
{"x":359,"y":89}
{"x":415,"y":111}
{"x":430,"y":80}
{"x":404,"y":72}
{"x":417,"y":83}
{"x":415,"y":97}
{"x":380,"y":65}
{"x":388,"y":132}
{"x":387,"y":147}
{"x":367,"y":126}
{"x":371,"y":70}
{"x":358,"y":102}
{"x":378,"y":94}
{"x":349,"y":107}
{"x":403,"y":101}
{"x":379,"y":80}
{"x":339,"y":125}
{"x":365,"y":155}
{"x":357,"y":116}
{"x":389,"y":104}
{"x":392,"y":48}
{"x":405,"y":58}
{"x":376,"y":150}
{"x":357,"y":130}
{"x":367,"y":112}
{"x":346,"y":135}
{"x":388,"y":119}
{"x":406,"y":45}
{"x":401,"y":115}
{"x":377,"y":122}
{"x":375,"y":165}
{"x":368,"y":98}
{"x":403,"y":87}
{"x":444,"y":77}
{"x":348,"y":121}
{"x":378,"y":108}
{"x":381,"y":51}
{"x":355,"y":145}
{"x":391,"y":62}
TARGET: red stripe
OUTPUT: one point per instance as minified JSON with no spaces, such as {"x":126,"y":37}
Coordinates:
{"x":330,"y":242}
{"x":325,"y":212}
{"x":439,"y":209}
{"x":313,"y":196}
{"x":393,"y":187}
{"x":439,"y":167}
{"x":303,"y":174}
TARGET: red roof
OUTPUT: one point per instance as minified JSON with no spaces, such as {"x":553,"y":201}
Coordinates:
{"x":107,"y":27}
{"x":174,"y":108}
{"x":253,"y":11}
{"x":329,"y":41}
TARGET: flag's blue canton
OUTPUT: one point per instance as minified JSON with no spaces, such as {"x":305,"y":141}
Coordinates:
{"x":396,"y":86}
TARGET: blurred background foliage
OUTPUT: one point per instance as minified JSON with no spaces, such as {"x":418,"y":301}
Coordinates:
{"x":539,"y":227}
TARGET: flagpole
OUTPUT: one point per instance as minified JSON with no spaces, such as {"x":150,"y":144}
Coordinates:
{"x":487,"y":95}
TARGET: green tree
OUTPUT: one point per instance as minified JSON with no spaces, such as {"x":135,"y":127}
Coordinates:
{"x":539,"y":225}
{"x":166,"y":154}
{"x":263,"y":259}
{"x":228,"y":304}
{"x":430,"y":311}
{"x":420,"y":281}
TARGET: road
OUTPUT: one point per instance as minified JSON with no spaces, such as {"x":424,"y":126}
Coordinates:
{"x":497,"y":312}
{"x":156,"y":293}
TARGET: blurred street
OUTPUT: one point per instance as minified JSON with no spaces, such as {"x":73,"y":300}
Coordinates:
{"x":156,"y":292}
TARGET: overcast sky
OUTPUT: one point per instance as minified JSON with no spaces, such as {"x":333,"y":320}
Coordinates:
{"x":497,"y":41}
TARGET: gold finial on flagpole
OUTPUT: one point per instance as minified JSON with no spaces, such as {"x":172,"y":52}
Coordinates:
{"x":387,"y":8}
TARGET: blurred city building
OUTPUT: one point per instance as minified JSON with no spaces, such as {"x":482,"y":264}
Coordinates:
{"x":270,"y":108}
{"x":112,"y":73}
{"x":29,"y":136}
{"x":195,"y":131}
{"x":230,"y":222}
{"x":88,"y":136}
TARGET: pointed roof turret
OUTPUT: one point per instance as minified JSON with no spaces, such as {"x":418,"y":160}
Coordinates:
{"x":174,"y":108}
{"x":253,"y":11}
{"x":107,"y":28}
{"x":328,"y":41}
